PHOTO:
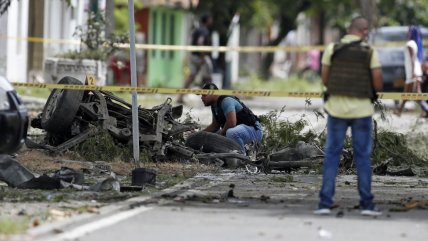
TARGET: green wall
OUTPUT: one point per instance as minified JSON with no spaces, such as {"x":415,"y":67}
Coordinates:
{"x":165,"y":68}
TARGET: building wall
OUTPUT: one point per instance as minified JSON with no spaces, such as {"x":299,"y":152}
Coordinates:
{"x":3,"y":43}
{"x":17,"y":26}
{"x":168,"y":27}
{"x":60,"y":22}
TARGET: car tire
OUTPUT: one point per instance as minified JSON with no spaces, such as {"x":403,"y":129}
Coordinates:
{"x":61,"y":107}
{"x":211,"y":142}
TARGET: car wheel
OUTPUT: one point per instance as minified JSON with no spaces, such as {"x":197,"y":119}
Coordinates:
{"x":211,"y":142}
{"x":61,"y":107}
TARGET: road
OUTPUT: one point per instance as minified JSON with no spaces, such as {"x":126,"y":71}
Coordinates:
{"x":263,"y":207}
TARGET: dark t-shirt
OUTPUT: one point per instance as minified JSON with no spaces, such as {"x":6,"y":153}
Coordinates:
{"x":201,"y":32}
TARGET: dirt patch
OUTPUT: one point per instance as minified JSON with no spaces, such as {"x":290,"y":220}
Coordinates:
{"x":21,"y":209}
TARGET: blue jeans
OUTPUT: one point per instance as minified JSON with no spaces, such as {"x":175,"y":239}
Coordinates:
{"x":424,"y":105}
{"x":362,"y":146}
{"x":243,"y":134}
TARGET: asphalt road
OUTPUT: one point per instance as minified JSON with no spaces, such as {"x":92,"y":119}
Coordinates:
{"x":169,"y":223}
{"x":262,"y":207}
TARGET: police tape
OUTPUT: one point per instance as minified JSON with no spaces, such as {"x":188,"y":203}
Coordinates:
{"x":143,"y":90}
{"x":162,"y":47}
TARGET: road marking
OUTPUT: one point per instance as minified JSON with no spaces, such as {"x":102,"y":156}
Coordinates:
{"x":99,"y":224}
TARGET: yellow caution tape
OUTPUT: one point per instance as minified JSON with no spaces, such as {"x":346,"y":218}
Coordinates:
{"x":382,"y":95}
{"x":42,"y":40}
{"x":245,"y":49}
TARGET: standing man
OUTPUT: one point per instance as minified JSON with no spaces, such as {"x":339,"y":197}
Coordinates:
{"x":200,"y":62}
{"x":351,"y":72}
{"x":232,"y":118}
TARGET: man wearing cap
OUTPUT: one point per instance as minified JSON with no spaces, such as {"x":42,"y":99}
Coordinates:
{"x":232,"y":118}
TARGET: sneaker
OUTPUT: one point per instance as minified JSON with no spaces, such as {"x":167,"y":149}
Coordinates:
{"x":322,"y":211}
{"x":371,"y":213}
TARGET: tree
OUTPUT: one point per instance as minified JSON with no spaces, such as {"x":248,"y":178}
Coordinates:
{"x":285,"y":13}
{"x":255,"y":13}
{"x":403,"y":12}
{"x":4,"y":5}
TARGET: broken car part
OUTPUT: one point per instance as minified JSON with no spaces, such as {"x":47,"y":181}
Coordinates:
{"x":70,"y":117}
{"x":13,"y":119}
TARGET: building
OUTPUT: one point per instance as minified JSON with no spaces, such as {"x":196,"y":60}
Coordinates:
{"x":159,"y":22}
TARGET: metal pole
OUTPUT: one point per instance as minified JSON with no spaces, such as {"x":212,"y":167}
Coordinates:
{"x":135,"y":125}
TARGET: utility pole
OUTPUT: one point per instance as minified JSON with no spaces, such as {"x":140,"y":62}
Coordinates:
{"x":132,"y":57}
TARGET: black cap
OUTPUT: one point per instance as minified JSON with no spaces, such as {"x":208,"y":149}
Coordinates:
{"x":209,"y":86}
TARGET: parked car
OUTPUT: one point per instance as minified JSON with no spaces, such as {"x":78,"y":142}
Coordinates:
{"x":392,"y":58}
{"x":13,"y":119}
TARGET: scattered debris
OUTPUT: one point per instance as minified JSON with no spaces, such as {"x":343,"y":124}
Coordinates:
{"x":69,"y":175}
{"x":108,"y":184}
{"x":340,"y":214}
{"x":142,"y":176}
{"x":230,"y":192}
{"x":12,"y":172}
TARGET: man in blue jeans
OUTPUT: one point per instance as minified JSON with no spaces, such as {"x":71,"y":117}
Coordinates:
{"x":351,"y":72}
{"x":232,"y":118}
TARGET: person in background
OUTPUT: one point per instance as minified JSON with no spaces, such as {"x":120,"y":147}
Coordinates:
{"x":424,"y":103}
{"x":232,"y":118}
{"x":200,"y":62}
{"x":413,"y":57}
{"x":351,"y":72}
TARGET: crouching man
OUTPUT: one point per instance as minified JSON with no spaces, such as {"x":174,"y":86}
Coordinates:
{"x":232,"y":118}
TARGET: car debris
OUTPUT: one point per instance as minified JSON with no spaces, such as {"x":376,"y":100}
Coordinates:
{"x":143,"y":176}
{"x":13,"y":119}
{"x":12,"y":172}
{"x":70,"y":117}
{"x":302,"y":155}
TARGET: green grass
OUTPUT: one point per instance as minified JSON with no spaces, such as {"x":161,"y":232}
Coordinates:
{"x":282,"y":179}
{"x":9,"y":226}
{"x":34,"y":92}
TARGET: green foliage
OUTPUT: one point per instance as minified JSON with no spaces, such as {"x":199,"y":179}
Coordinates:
{"x":102,"y":147}
{"x":96,"y":45}
{"x":278,"y":133}
{"x":394,"y":145}
{"x":400,"y":12}
{"x":418,"y":143}
{"x":121,"y":21}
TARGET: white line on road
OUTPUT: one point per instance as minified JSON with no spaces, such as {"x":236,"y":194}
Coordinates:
{"x":98,"y":224}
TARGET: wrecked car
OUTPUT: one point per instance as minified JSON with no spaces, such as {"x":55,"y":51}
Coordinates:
{"x":70,"y":117}
{"x":13,"y":119}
